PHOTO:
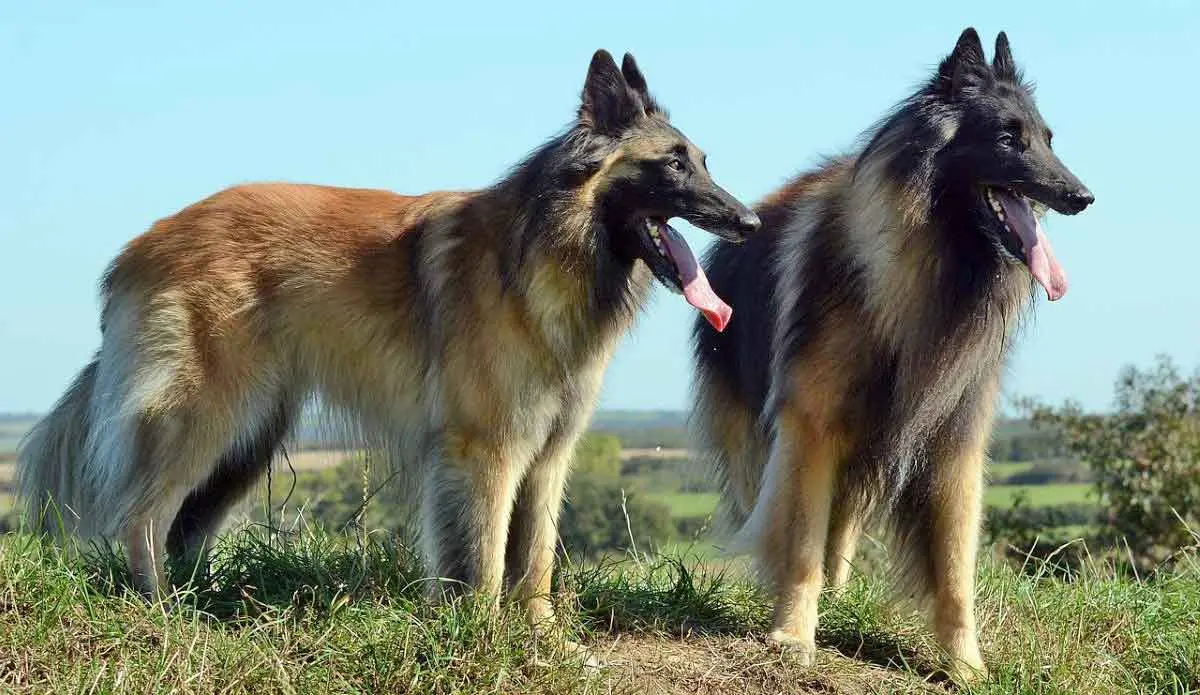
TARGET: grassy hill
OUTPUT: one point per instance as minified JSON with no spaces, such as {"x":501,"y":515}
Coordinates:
{"x":314,"y":614}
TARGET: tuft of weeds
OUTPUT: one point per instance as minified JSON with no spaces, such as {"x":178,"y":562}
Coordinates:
{"x":674,"y":594}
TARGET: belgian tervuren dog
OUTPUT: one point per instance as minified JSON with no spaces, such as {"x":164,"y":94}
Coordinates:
{"x":875,"y":309}
{"x":465,"y":332}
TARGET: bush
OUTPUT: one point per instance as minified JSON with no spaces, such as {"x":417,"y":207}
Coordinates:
{"x":1145,"y":457}
{"x":332,"y":498}
{"x":600,"y":513}
{"x":1024,"y":445}
{"x":691,"y":528}
{"x":598,"y":454}
{"x":1021,"y":524}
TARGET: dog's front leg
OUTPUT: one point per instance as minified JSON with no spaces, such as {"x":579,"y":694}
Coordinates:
{"x":794,"y":546}
{"x":468,"y":501}
{"x":957,"y":510}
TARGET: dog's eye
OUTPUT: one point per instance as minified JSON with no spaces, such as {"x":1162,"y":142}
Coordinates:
{"x":675,"y":164}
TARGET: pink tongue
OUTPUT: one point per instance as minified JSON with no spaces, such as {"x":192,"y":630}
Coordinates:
{"x":1038,"y":254}
{"x":696,"y":289}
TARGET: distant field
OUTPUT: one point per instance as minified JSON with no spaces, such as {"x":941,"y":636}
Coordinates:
{"x":1038,"y":495}
{"x":691,"y":504}
{"x":1001,"y":470}
{"x":688,"y":504}
{"x":656,"y":452}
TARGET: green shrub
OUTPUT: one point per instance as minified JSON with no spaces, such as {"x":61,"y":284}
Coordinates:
{"x":600,"y":514}
{"x":1145,"y":457}
{"x":598,"y":454}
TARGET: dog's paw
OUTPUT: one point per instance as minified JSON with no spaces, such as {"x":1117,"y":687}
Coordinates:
{"x":581,"y":653}
{"x":963,"y":662}
{"x":570,"y":650}
{"x":804,"y":650}
{"x":967,"y":668}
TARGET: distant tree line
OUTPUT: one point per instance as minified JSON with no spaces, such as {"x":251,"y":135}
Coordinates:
{"x":1020,"y":441}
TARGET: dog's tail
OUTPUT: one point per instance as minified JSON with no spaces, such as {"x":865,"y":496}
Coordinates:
{"x":51,"y":472}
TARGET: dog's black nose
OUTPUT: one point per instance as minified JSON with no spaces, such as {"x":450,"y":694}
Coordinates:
{"x":1079,"y":199}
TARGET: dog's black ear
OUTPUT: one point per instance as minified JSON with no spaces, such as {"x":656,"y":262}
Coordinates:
{"x":1002,"y":62}
{"x":969,"y":48}
{"x":609,"y":105}
{"x":965,"y":66}
{"x":637,"y":82}
{"x":633,"y":75}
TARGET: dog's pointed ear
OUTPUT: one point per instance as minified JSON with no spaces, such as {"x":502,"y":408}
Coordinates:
{"x":969,"y":49}
{"x":637,"y":82}
{"x":1002,"y":61}
{"x":629,"y":69}
{"x":609,"y":104}
{"x":966,"y":64}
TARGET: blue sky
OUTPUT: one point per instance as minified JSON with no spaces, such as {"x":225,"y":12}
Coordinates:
{"x":112,"y":118}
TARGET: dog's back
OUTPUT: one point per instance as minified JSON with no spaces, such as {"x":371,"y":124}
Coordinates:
{"x":222,"y":311}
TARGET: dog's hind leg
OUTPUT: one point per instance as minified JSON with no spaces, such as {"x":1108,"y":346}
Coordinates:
{"x":240,"y":467}
{"x":799,"y":527}
{"x":173,"y":454}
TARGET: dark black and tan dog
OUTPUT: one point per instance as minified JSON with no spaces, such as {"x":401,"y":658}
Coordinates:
{"x":465,"y":332}
{"x":874,"y":313}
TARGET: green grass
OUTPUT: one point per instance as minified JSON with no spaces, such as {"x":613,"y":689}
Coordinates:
{"x":998,"y":471}
{"x":687,"y":504}
{"x":320,"y":614}
{"x":1038,"y":495}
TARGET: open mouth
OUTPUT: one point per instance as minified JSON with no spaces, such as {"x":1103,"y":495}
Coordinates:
{"x":673,"y":263}
{"x":1025,"y":239}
